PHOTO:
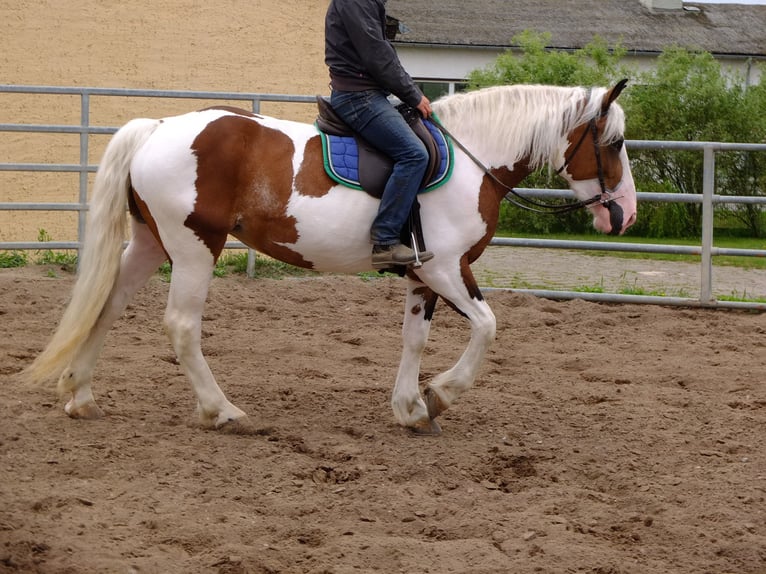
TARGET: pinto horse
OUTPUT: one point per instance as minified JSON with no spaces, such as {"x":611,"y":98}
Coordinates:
{"x":192,"y":180}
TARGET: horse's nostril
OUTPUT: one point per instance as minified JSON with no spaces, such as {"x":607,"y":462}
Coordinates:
{"x":615,"y":217}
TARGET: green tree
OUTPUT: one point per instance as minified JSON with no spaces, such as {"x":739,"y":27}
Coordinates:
{"x":688,"y":97}
{"x":742,"y":172}
{"x":594,"y":65}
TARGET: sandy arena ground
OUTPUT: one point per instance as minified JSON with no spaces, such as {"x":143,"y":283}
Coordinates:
{"x":599,"y":439}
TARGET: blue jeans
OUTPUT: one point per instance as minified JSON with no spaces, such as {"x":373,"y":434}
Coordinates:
{"x":371,"y":115}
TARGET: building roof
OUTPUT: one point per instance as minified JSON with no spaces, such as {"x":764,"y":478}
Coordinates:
{"x":722,"y":29}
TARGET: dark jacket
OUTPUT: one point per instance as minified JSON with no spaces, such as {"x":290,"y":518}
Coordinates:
{"x":359,"y":55}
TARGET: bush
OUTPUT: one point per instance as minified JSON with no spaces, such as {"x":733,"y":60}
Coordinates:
{"x":687,"y":97}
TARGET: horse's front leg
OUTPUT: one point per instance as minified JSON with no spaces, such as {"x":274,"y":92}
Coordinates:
{"x":464,"y":296}
{"x":409,"y":408}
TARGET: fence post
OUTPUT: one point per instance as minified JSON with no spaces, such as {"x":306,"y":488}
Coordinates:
{"x":83,"y":197}
{"x":251,"y":254}
{"x":708,"y":188}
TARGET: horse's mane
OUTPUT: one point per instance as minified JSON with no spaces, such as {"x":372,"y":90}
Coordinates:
{"x":506,"y":123}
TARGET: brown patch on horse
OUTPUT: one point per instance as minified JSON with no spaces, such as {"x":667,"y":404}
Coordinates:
{"x":312,"y":179}
{"x":233,"y":110}
{"x":244,"y":182}
{"x":583,"y":164}
{"x":469,"y":280}
{"x":140,"y":212}
{"x":425,"y":293}
{"x":491,"y":194}
{"x":133,"y":208}
{"x":430,"y":297}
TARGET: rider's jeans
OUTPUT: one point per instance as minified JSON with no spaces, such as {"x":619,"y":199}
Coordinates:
{"x":371,"y":115}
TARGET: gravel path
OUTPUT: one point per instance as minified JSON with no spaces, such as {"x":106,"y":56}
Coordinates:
{"x":534,"y":268}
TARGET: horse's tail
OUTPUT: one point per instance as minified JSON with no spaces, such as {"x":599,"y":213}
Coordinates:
{"x":99,"y":264}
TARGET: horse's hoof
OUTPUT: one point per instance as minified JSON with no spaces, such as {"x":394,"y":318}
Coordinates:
{"x":434,"y":404}
{"x":426,"y":428}
{"x":238,"y":426}
{"x":89,"y":411}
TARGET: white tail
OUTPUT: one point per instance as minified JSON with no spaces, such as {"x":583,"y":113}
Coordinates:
{"x":102,"y":249}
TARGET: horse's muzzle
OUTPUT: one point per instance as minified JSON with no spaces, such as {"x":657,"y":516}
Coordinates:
{"x":615,"y":217}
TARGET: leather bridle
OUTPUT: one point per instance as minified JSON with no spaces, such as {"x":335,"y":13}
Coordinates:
{"x":605,"y":198}
{"x":607,"y":194}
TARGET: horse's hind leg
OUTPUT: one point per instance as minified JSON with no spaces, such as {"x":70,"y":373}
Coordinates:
{"x":189,"y":285}
{"x":140,"y":259}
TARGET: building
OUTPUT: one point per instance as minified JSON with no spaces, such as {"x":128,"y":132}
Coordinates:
{"x":441,"y":42}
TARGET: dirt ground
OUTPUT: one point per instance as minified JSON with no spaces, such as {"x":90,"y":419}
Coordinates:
{"x":599,"y":439}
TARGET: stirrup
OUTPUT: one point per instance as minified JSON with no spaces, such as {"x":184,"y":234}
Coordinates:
{"x":416,"y":248}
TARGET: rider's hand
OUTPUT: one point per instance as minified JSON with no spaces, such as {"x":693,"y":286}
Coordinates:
{"x":424,"y":107}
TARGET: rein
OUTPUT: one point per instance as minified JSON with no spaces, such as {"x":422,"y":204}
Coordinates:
{"x":605,"y":197}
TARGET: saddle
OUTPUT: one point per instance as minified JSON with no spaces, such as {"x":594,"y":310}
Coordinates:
{"x":350,"y":160}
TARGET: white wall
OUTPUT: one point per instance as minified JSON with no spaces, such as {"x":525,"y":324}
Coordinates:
{"x":454,"y":63}
{"x":439,"y":63}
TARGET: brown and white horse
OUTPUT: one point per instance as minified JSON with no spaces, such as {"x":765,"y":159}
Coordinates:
{"x":192,"y":180}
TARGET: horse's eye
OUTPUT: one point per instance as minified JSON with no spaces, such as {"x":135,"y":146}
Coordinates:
{"x":617,"y":145}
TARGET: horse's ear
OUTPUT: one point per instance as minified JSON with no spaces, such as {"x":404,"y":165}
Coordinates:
{"x":611,"y":96}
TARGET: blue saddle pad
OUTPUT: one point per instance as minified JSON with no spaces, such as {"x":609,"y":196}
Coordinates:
{"x":341,"y":158}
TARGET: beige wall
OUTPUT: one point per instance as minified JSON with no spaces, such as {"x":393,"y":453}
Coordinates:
{"x":272,"y":46}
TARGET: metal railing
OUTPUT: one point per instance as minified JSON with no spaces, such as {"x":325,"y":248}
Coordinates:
{"x":708,"y":199}
{"x":706,"y":250}
{"x":85,"y":129}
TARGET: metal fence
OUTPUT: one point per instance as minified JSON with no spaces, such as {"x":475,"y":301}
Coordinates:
{"x":709,"y":199}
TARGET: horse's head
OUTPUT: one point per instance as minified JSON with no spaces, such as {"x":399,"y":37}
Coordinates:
{"x":595,"y":163}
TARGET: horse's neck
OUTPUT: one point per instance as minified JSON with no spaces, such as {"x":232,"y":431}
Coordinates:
{"x":512,"y":177}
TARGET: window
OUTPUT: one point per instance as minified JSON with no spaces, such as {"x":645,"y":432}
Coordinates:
{"x":435,"y":90}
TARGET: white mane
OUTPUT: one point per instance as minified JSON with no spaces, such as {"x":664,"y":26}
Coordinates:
{"x":504,"y":124}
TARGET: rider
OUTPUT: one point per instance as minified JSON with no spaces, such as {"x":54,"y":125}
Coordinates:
{"x":364,"y":69}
